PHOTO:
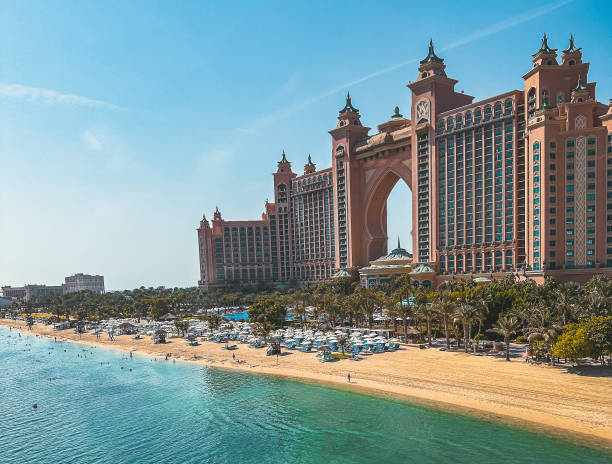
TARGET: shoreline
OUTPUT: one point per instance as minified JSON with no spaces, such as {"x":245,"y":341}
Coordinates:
{"x":573,"y":408}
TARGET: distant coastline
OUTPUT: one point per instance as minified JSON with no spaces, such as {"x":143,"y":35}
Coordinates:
{"x":571,"y":407}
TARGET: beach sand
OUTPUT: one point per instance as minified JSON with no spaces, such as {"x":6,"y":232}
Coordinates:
{"x":543,"y":398}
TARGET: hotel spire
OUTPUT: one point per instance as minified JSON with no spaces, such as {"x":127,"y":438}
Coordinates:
{"x":431,"y":55}
{"x":432,"y":64}
{"x":348,"y":107}
{"x":309,"y":167}
{"x":572,"y":48}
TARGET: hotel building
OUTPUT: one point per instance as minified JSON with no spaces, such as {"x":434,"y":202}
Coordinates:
{"x":519,"y":183}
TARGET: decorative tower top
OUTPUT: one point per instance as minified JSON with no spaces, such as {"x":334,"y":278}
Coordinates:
{"x":284,"y":165}
{"x":349,"y":115}
{"x":432,"y":64}
{"x":396,"y":113}
{"x":580,"y":86}
{"x":545,"y":55}
{"x":217,"y":214}
{"x":572,"y":48}
{"x":309,"y":167}
{"x":204,"y":217}
{"x":545,"y":48}
{"x":572,"y":55}
{"x":348,"y":107}
{"x":431,"y":55}
{"x":580,"y":92}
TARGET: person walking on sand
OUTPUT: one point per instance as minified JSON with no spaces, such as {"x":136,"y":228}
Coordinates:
{"x":348,"y":376}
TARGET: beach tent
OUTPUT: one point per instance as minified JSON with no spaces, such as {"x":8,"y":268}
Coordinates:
{"x":127,"y":329}
{"x":159,"y":336}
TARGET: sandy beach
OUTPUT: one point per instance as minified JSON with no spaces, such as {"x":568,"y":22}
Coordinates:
{"x":576,"y":407}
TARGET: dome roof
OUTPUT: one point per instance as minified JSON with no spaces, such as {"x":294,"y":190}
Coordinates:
{"x":399,"y":254}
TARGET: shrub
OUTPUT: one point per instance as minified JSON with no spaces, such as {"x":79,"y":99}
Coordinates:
{"x":521,"y":339}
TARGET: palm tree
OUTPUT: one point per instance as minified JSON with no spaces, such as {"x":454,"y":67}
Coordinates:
{"x":506,"y":326}
{"x":426,"y":312}
{"x":343,"y":342}
{"x":262,"y":329}
{"x":445,"y":308}
{"x":366,"y":300}
{"x":468,"y":314}
{"x":300,"y":300}
{"x":566,"y":295}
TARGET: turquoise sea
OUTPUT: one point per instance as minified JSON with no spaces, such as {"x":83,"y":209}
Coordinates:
{"x":93,"y":409}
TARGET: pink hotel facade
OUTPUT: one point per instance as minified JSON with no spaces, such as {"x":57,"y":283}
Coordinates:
{"x":519,"y":183}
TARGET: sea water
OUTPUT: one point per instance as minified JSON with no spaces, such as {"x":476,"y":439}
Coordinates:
{"x":98,"y":405}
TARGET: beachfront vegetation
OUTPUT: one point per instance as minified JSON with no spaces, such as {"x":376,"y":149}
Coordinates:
{"x":563,"y":320}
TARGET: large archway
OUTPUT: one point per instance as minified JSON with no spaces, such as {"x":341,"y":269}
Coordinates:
{"x":376,"y":213}
{"x":365,"y":169}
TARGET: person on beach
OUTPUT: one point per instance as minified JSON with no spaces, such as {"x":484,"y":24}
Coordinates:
{"x":348,"y":376}
{"x":234,"y":356}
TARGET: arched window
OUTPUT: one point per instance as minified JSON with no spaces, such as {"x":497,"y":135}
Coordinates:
{"x":531,"y":94}
{"x":424,"y":75}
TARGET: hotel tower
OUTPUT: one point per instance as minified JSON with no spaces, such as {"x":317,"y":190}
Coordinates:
{"x":516,"y":184}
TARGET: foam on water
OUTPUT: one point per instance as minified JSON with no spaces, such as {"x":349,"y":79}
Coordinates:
{"x":91,"y":410}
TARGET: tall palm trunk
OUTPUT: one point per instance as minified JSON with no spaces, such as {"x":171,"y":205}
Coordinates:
{"x":446,"y":333}
{"x":507,"y":342}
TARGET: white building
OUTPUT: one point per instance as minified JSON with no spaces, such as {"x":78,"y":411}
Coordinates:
{"x":80,"y":282}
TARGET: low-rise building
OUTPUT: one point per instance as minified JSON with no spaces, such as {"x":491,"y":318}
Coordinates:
{"x":80,"y":282}
{"x":36,"y":291}
{"x":14,"y":293}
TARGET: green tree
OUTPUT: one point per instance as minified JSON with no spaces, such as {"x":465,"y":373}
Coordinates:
{"x":159,"y":307}
{"x":506,"y":326}
{"x":573,"y":344}
{"x":468,"y":314}
{"x":445,"y":307}
{"x":181,"y":327}
{"x":268,"y":310}
{"x":343,"y":342}
{"x":263,"y":329}
{"x":599,"y":333}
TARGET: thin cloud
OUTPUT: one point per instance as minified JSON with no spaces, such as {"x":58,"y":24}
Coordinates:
{"x":50,"y":96}
{"x":493,"y":29}
{"x":507,"y":24}
{"x":92,"y":141}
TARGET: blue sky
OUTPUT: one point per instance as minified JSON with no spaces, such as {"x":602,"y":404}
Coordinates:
{"x":121,"y":122}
